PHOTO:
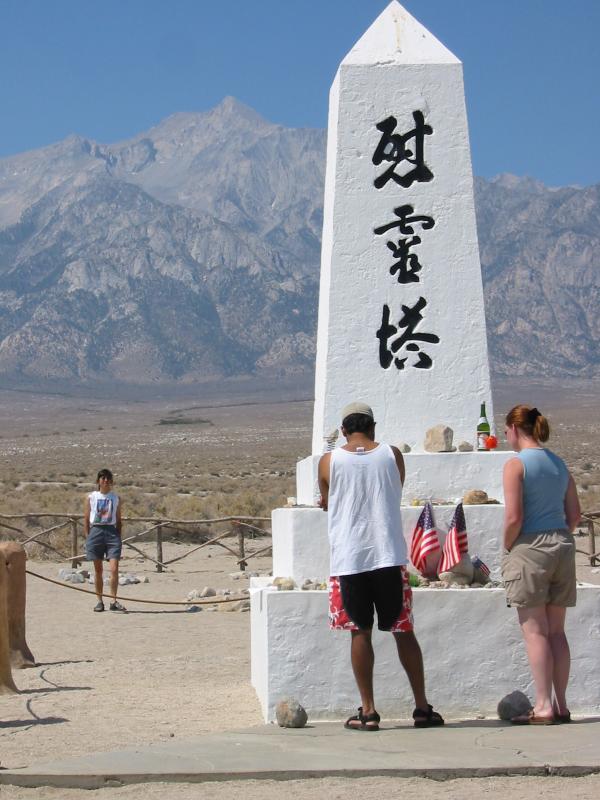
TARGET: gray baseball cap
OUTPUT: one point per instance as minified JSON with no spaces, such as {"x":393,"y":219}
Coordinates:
{"x":357,"y":408}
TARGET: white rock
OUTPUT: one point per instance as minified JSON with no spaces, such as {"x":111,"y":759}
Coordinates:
{"x":208,"y":591}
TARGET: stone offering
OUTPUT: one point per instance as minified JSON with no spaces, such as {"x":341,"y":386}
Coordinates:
{"x":465,"y":447}
{"x":284,"y":584}
{"x":475,"y":497}
{"x":404,"y":448}
{"x":513,"y":704}
{"x":439,"y":439}
{"x":290,"y":714}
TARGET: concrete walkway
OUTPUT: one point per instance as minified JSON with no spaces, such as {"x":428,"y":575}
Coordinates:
{"x":460,"y":749}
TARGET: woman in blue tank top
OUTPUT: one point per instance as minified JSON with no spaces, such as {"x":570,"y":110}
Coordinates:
{"x":538,"y":568}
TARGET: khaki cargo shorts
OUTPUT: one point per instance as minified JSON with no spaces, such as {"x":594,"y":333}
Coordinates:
{"x":539,"y":570}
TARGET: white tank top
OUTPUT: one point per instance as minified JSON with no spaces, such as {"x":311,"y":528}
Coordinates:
{"x":103,"y":508}
{"x":364,"y":522}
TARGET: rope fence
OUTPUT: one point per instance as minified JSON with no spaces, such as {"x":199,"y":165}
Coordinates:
{"x":242,"y":528}
{"x":199,"y":602}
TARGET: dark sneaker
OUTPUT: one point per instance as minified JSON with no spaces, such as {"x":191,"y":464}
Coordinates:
{"x":99,"y":606}
{"x":116,"y":606}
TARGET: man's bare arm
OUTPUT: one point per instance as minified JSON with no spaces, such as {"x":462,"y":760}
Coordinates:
{"x":324,"y":467}
{"x":399,"y":463}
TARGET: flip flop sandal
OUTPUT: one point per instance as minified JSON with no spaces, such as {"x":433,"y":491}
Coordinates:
{"x":427,"y":719}
{"x":367,"y":722}
{"x":562,"y":719}
{"x":530,"y":718}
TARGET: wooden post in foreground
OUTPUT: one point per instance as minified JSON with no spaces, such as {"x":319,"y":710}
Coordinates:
{"x":159,"y":547}
{"x":14,"y":556}
{"x":7,"y":685}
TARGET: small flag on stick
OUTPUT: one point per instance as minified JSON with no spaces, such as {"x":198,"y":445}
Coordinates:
{"x":424,"y":539}
{"x":456,"y":544}
{"x":478,"y":564}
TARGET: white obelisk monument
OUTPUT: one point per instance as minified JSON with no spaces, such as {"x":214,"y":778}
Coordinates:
{"x":401,"y":327}
{"x":401,"y":315}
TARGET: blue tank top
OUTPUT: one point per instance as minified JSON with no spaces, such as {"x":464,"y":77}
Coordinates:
{"x":545,"y":482}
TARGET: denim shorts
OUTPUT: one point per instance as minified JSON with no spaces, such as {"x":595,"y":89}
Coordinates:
{"x":103,"y":542}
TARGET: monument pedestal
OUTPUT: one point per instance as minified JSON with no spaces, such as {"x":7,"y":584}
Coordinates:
{"x":472,"y":648}
{"x":471,"y":642}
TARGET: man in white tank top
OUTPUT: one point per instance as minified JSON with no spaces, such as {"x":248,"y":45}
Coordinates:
{"x":361,"y":488}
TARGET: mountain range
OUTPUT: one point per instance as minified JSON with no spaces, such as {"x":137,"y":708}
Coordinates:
{"x":191,"y":252}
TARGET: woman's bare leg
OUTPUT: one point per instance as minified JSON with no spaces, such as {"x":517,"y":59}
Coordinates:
{"x":561,"y":655}
{"x":535,"y":628}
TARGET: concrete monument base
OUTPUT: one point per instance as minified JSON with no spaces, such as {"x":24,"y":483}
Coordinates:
{"x":471,"y":642}
{"x":429,"y":476}
{"x":301,"y":546}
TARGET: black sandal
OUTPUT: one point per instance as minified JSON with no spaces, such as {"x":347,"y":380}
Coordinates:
{"x":368,"y":722}
{"x":427,"y":719}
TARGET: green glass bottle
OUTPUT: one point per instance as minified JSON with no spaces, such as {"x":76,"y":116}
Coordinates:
{"x":483,"y":429}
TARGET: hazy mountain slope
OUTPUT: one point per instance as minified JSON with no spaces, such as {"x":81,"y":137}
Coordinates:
{"x":192,"y":251}
{"x":540,"y":256}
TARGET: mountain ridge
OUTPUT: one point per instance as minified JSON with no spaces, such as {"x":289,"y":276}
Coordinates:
{"x":192,"y":250}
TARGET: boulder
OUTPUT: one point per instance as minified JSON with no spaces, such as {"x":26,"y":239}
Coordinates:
{"x":475,"y":497}
{"x":513,"y":704}
{"x":290,"y":714}
{"x":439,"y":439}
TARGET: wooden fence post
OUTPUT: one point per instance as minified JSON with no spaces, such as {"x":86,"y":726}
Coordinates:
{"x":159,"y":547}
{"x":241,"y":547}
{"x":74,"y":544}
{"x":592,"y":539}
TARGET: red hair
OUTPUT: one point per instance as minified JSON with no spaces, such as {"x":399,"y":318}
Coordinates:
{"x":531,"y":421}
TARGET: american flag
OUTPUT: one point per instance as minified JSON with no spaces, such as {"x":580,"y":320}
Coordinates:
{"x":424,"y":539}
{"x":478,"y":564}
{"x":456,"y":543}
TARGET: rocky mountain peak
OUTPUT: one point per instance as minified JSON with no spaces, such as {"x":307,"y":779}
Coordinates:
{"x":192,"y":251}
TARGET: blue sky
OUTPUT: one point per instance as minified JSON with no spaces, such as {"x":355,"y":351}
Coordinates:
{"x":108,"y":69}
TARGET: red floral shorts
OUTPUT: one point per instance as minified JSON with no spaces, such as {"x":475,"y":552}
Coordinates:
{"x":368,"y":591}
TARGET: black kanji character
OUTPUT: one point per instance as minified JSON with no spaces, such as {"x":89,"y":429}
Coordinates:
{"x":393,"y":147}
{"x":411,"y":318}
{"x":408,"y":264}
{"x":405,"y":222}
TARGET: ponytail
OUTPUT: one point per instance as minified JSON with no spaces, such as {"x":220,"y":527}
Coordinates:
{"x":531,"y":421}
